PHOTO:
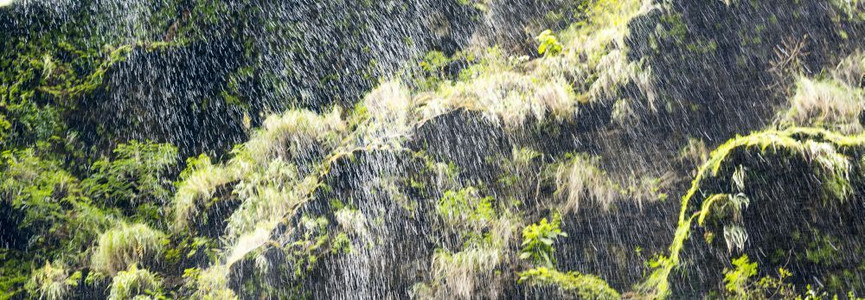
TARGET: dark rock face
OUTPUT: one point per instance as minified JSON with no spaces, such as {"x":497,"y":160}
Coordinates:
{"x":170,"y":96}
{"x":723,"y":68}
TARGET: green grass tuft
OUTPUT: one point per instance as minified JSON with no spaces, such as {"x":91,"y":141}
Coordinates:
{"x":126,"y":245}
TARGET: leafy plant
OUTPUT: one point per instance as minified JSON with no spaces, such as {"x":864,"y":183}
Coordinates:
{"x":136,"y":174}
{"x":538,"y":241}
{"x":549,"y":45}
{"x":739,"y":282}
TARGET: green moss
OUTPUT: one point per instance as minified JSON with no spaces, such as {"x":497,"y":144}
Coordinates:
{"x":572,"y":283}
{"x":822,"y":250}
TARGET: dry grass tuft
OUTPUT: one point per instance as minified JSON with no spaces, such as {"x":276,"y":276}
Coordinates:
{"x":829,"y":104}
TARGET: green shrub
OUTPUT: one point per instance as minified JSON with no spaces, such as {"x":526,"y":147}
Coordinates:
{"x":137,"y":174}
{"x":54,"y":213}
{"x":39,"y":187}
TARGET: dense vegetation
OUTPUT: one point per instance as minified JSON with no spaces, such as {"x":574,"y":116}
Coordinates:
{"x":432,"y":149}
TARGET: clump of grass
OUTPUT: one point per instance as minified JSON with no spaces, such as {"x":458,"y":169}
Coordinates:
{"x":392,"y":111}
{"x":199,"y":181}
{"x":294,"y":134}
{"x":212,"y":283}
{"x":503,"y":94}
{"x":460,"y":273}
{"x":851,"y":70}
{"x":825,"y":103}
{"x":694,"y":153}
{"x":126,"y":245}
{"x":353,"y":221}
{"x":581,"y":179}
{"x":51,"y":282}
{"x":248,"y":242}
{"x":572,"y":283}
{"x":135,"y":282}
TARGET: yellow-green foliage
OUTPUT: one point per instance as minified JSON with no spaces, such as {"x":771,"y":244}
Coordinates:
{"x":538,"y":241}
{"x":210,"y":284}
{"x":466,"y":208}
{"x":40,"y":185}
{"x":739,"y":283}
{"x":572,"y":283}
{"x":126,"y":245}
{"x":503,"y":94}
{"x":267,"y":182}
{"x":283,"y":164}
{"x":44,"y":193}
{"x":548,"y":43}
{"x":52,"y":282}
{"x":823,"y":149}
{"x":294,"y":134}
{"x":597,"y":47}
{"x":135,"y":174}
{"x":853,"y":9}
{"x":508,"y":91}
{"x":134,"y":282}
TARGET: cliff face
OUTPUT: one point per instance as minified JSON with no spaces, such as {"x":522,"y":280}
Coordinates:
{"x":266,"y":149}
